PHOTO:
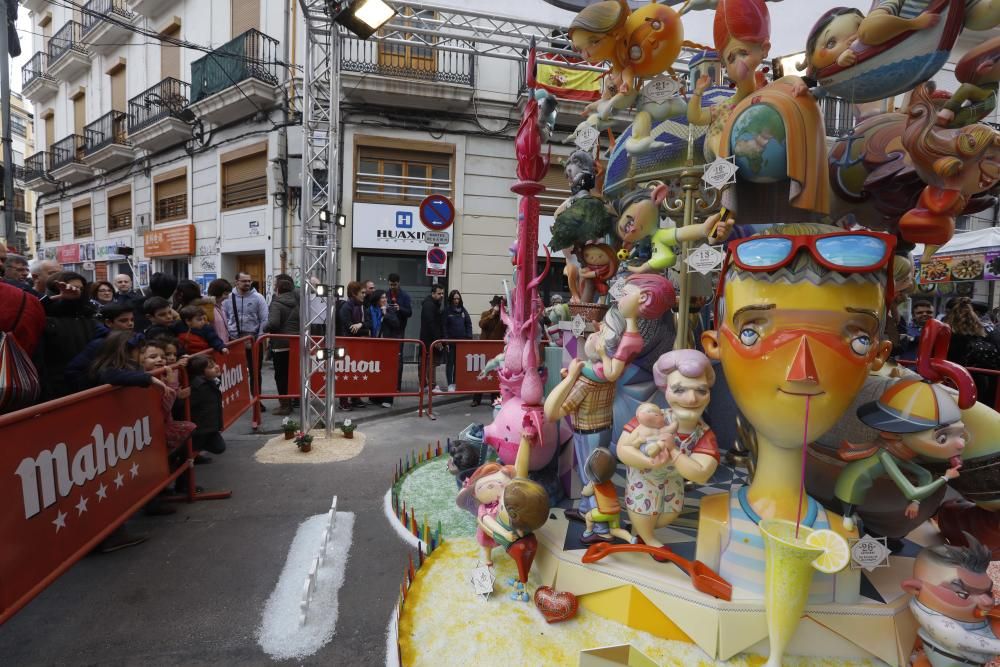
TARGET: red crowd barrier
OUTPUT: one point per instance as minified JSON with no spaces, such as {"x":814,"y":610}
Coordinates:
{"x":370,"y":367}
{"x":76,"y":468}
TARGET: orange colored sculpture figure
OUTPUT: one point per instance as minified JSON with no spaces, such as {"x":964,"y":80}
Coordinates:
{"x":956,"y":164}
{"x":742,"y":33}
{"x":978,"y":73}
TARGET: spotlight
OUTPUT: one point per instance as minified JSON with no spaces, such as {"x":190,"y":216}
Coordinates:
{"x":362,"y":17}
{"x":341,"y":220}
{"x":341,"y":352}
{"x":321,"y":354}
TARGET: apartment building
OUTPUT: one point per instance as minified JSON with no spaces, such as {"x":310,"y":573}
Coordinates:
{"x":22,"y":144}
{"x":162,"y":128}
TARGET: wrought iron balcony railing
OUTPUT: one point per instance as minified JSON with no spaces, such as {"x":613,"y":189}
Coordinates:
{"x":33,"y":69}
{"x":838,"y":116}
{"x":252,"y":55}
{"x":167,"y":99}
{"x":69,"y":37}
{"x":67,"y":151}
{"x":36,"y":166}
{"x":413,"y":59}
{"x":106,"y":130}
{"x":96,"y":12}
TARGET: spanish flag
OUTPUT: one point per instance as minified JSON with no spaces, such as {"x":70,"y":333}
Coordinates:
{"x":565,"y":83}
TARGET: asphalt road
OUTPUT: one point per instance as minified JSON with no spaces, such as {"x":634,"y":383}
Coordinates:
{"x":193,"y":594}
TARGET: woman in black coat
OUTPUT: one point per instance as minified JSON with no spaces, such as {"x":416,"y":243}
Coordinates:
{"x":458,"y":326}
{"x":354,"y":320}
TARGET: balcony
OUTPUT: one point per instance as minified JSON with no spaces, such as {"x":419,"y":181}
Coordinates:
{"x":36,"y":173}
{"x":68,"y":57}
{"x":150,"y":8}
{"x":106,"y":24}
{"x":105,"y":146}
{"x":34,"y":5}
{"x":154,"y":115}
{"x":236,"y":80}
{"x":36,"y":84}
{"x":67,"y":160}
{"x":405,"y":72}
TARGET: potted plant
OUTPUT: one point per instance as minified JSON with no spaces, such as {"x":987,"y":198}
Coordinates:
{"x":347,"y":428}
{"x":289,"y":426}
{"x":303,"y":441}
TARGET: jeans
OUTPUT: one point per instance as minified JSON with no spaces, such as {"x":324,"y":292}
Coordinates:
{"x":449,"y":369}
{"x":280,"y":359}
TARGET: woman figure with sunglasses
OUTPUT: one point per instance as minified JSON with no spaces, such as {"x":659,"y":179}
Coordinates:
{"x":799,"y":310}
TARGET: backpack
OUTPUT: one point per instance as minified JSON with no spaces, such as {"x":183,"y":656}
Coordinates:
{"x":19,"y":385}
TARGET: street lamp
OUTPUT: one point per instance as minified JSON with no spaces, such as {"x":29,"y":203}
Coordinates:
{"x":362,"y":17}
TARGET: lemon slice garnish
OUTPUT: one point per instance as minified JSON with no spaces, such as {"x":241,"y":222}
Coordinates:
{"x":836,"y":554}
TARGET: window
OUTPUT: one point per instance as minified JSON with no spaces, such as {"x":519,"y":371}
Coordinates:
{"x":170,"y":55}
{"x":412,"y":56}
{"x":50,"y":131}
{"x":117,"y":76}
{"x":171,"y":196}
{"x":119,"y":210}
{"x":244,"y":181}
{"x":79,"y":113}
{"x":556,"y":188}
{"x":245,"y":15}
{"x":401,"y":176}
{"x":52,"y":225}
{"x":81,"y":220}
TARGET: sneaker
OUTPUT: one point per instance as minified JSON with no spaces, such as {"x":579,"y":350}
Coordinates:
{"x":120,"y":539}
{"x":387,"y":405}
{"x":438,"y":390}
{"x":451,"y":389}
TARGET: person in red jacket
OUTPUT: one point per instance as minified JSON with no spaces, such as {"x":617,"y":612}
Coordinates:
{"x":22,"y":315}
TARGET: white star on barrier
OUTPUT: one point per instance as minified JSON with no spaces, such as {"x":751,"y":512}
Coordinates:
{"x":81,"y":506}
{"x":119,"y":480}
{"x":60,"y":521}
{"x":102,"y":492}
{"x":134,"y":470}
{"x":364,"y":377}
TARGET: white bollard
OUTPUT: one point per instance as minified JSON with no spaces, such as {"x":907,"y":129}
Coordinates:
{"x":322,"y":546}
{"x":304,"y":603}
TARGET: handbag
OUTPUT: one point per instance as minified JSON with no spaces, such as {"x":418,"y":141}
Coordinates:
{"x":19,"y":385}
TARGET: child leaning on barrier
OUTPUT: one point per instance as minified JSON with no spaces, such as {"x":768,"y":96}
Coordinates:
{"x":206,"y":404}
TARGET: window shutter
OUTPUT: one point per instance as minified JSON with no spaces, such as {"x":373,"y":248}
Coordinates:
{"x":79,"y":113}
{"x":171,"y":188}
{"x":118,"y":89}
{"x":52,"y":226}
{"x":50,"y":132}
{"x":556,"y":189}
{"x":244,"y":169}
{"x":245,"y":15}
{"x":170,"y":56}
{"x":120,"y":204}
{"x":81,"y":221}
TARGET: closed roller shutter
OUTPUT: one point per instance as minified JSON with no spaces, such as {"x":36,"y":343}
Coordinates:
{"x":246,"y":15}
{"x":244,"y":182}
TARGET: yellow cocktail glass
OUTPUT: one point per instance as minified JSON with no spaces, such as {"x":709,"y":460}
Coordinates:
{"x":788,"y":574}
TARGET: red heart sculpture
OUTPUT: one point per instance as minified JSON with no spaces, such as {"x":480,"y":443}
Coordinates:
{"x":555,"y":605}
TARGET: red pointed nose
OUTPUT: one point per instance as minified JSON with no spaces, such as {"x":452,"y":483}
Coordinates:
{"x":803,"y":368}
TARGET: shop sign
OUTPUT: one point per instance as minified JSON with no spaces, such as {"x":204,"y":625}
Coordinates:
{"x":109,"y":253}
{"x":958,"y":268}
{"x":169,"y":241}
{"x":389,"y":227}
{"x":68,"y":254}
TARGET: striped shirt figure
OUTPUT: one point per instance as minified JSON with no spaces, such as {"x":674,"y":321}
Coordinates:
{"x":742,"y":562}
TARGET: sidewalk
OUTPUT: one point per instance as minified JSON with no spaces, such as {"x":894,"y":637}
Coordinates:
{"x":402,"y":405}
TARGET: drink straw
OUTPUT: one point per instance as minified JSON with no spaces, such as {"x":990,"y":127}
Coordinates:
{"x":802,"y":478}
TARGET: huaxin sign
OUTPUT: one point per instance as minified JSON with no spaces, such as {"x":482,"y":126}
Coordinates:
{"x":63,"y":485}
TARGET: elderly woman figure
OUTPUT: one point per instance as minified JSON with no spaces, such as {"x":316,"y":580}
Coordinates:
{"x":654,"y":495}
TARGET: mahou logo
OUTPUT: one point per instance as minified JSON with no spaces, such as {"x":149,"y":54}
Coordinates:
{"x":52,"y":471}
{"x":349,"y":365}
{"x":231,"y":377}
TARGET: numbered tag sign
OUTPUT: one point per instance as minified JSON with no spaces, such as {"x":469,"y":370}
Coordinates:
{"x":869,"y":553}
{"x":704,"y":259}
{"x":720,"y":172}
{"x":660,"y":89}
{"x":617,"y":290}
{"x":586,"y":137}
{"x":482,"y":578}
{"x":579,"y":325}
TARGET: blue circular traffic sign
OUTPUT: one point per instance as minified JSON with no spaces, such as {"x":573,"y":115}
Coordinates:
{"x":437,"y":255}
{"x":437,"y":213}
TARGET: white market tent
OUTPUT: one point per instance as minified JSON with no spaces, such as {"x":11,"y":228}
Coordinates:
{"x":966,"y":242}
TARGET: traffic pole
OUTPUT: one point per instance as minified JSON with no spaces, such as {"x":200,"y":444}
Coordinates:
{"x":8,"y":156}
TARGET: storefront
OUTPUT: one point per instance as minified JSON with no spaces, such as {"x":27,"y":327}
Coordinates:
{"x":170,"y":250}
{"x":389,"y":238}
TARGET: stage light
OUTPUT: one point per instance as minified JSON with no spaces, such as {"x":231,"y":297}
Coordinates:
{"x":362,"y":17}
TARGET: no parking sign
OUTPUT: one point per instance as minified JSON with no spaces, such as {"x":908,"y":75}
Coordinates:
{"x":437,"y":262}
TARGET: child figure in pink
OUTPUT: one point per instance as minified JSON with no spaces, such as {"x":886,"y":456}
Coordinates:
{"x":481,"y":496}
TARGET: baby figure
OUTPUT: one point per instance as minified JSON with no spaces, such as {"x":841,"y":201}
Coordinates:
{"x":651,"y":420}
{"x":831,"y":39}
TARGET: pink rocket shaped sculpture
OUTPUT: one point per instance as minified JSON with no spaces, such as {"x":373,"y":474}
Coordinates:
{"x":521,"y":384}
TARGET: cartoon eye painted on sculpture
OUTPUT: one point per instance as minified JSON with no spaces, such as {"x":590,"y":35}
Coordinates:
{"x":830,"y":43}
{"x":941,"y":438}
{"x":749,"y":336}
{"x":860,"y":345}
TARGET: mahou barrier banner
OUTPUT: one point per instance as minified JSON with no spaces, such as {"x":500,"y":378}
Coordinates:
{"x":471,"y":358}
{"x":68,"y":474}
{"x":234,"y":382}
{"x":370,"y":367}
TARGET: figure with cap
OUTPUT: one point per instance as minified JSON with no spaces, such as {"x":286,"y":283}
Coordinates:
{"x":914,"y":418}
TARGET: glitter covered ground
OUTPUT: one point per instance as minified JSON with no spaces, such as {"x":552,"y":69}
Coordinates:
{"x":431,"y":490}
{"x":444,"y":623}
